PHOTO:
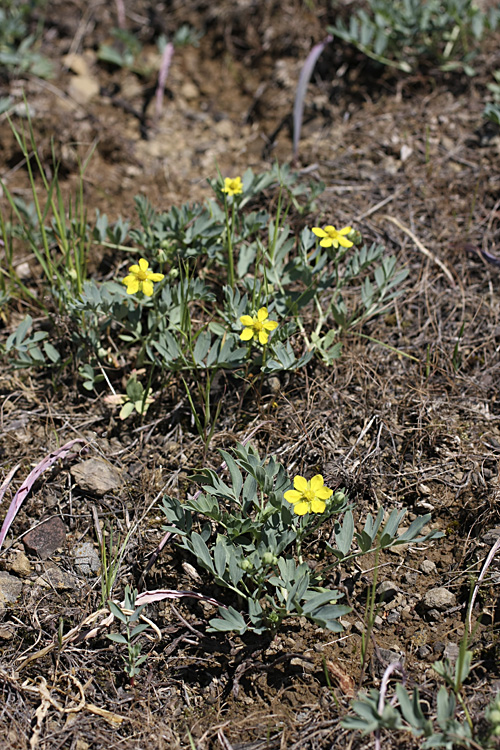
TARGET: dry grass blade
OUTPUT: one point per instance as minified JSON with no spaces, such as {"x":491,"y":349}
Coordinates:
{"x":423,"y":249}
{"x":485,"y":567}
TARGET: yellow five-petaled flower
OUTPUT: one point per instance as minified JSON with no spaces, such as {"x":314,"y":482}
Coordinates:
{"x":140,"y":279}
{"x":331,"y":236}
{"x":308,"y":496}
{"x":258,"y":326}
{"x":233,"y":186}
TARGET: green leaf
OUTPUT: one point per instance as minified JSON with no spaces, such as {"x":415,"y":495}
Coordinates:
{"x":116,"y":611}
{"x":220,"y":558}
{"x":116,"y":638}
{"x":345,"y":534}
{"x":201,"y":551}
{"x":231,"y":620}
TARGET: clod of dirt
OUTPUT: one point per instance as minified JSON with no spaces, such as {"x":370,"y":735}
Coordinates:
{"x":86,"y":559}
{"x":46,"y":538}
{"x":96,"y":476}
{"x":19,"y":564}
{"x":439,"y":599}
{"x":55,"y":578}
{"x":10,"y":588}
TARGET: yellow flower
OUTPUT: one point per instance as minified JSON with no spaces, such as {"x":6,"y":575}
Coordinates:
{"x":140,"y":279}
{"x":233,"y":186}
{"x":332,"y":236}
{"x":308,"y":497}
{"x":258,"y":325}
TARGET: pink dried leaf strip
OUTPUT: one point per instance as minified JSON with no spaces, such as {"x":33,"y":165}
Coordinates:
{"x":156,"y":596}
{"x":166,"y":60}
{"x":300,"y":95}
{"x":7,"y":481}
{"x":28,"y":483}
{"x":485,"y":567}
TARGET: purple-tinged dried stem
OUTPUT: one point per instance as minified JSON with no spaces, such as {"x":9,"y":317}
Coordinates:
{"x":485,"y":567}
{"x":156,"y":596}
{"x":28,"y":483}
{"x":7,"y":481}
{"x":300,"y":95}
{"x":166,"y":60}
{"x":120,"y":13}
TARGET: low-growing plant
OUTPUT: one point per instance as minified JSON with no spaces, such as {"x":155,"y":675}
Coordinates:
{"x":18,"y":52}
{"x":249,"y":536}
{"x":129,"y":615}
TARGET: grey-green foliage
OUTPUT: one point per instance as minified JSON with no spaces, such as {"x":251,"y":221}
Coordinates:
{"x":17,"y":53}
{"x":128,"y":616}
{"x":249,"y":542}
{"x":411,"y":715}
{"x":492,"y":108}
{"x":35,"y":350}
{"x":403,"y":33}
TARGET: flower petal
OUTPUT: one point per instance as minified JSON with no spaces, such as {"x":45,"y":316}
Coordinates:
{"x":156,"y":276}
{"x":327,"y":242}
{"x":143,"y":264}
{"x":324,"y":493}
{"x":345,"y":230}
{"x":132,"y":286}
{"x":318,"y":506}
{"x":301,"y":484}
{"x":247,"y":334}
{"x":292,"y":496}
{"x":344,"y":242}
{"x":247,"y":320}
{"x":134,"y":269}
{"x":301,"y":508}
{"x":262,"y":314}
{"x":270,"y":325}
{"x":147,"y":288}
{"x":319,"y":232}
{"x":263,"y":337}
{"x":316,"y":482}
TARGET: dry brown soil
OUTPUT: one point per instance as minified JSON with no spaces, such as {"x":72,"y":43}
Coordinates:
{"x":408,"y":160}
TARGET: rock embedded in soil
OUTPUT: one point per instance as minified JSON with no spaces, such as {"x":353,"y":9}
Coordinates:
{"x":10,"y":588}
{"x":96,"y":476}
{"x":45,"y":538}
{"x":86,"y":559}
{"x":428,"y":567}
{"x":18,"y":563}
{"x":387,"y":591}
{"x":55,"y":578}
{"x":439,"y":599}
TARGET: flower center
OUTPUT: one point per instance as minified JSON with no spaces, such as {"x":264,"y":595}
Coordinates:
{"x":258,"y":325}
{"x":309,"y":495}
{"x":333,"y":234}
{"x":142,"y":275}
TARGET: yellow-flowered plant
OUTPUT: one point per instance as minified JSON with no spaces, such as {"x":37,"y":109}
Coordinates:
{"x":141,"y":279}
{"x":331,"y":236}
{"x":233,"y":186}
{"x":308,"y":496}
{"x":257,"y":326}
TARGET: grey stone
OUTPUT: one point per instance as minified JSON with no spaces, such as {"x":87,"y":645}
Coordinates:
{"x":96,"y":476}
{"x":87,"y":560}
{"x":55,"y":578}
{"x":439,"y":598}
{"x":491,"y":536}
{"x":428,"y":567}
{"x":393,"y":617}
{"x":424,"y":651}
{"x":387,"y":591}
{"x":451,"y":652}
{"x":10,"y":588}
{"x":19,"y":563}
{"x":46,"y":538}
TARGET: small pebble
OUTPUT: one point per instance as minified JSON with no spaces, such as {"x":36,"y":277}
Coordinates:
{"x":87,"y":560}
{"x":439,"y":598}
{"x":428,"y":567}
{"x":387,"y":591}
{"x":424,"y":651}
{"x":393,"y":617}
